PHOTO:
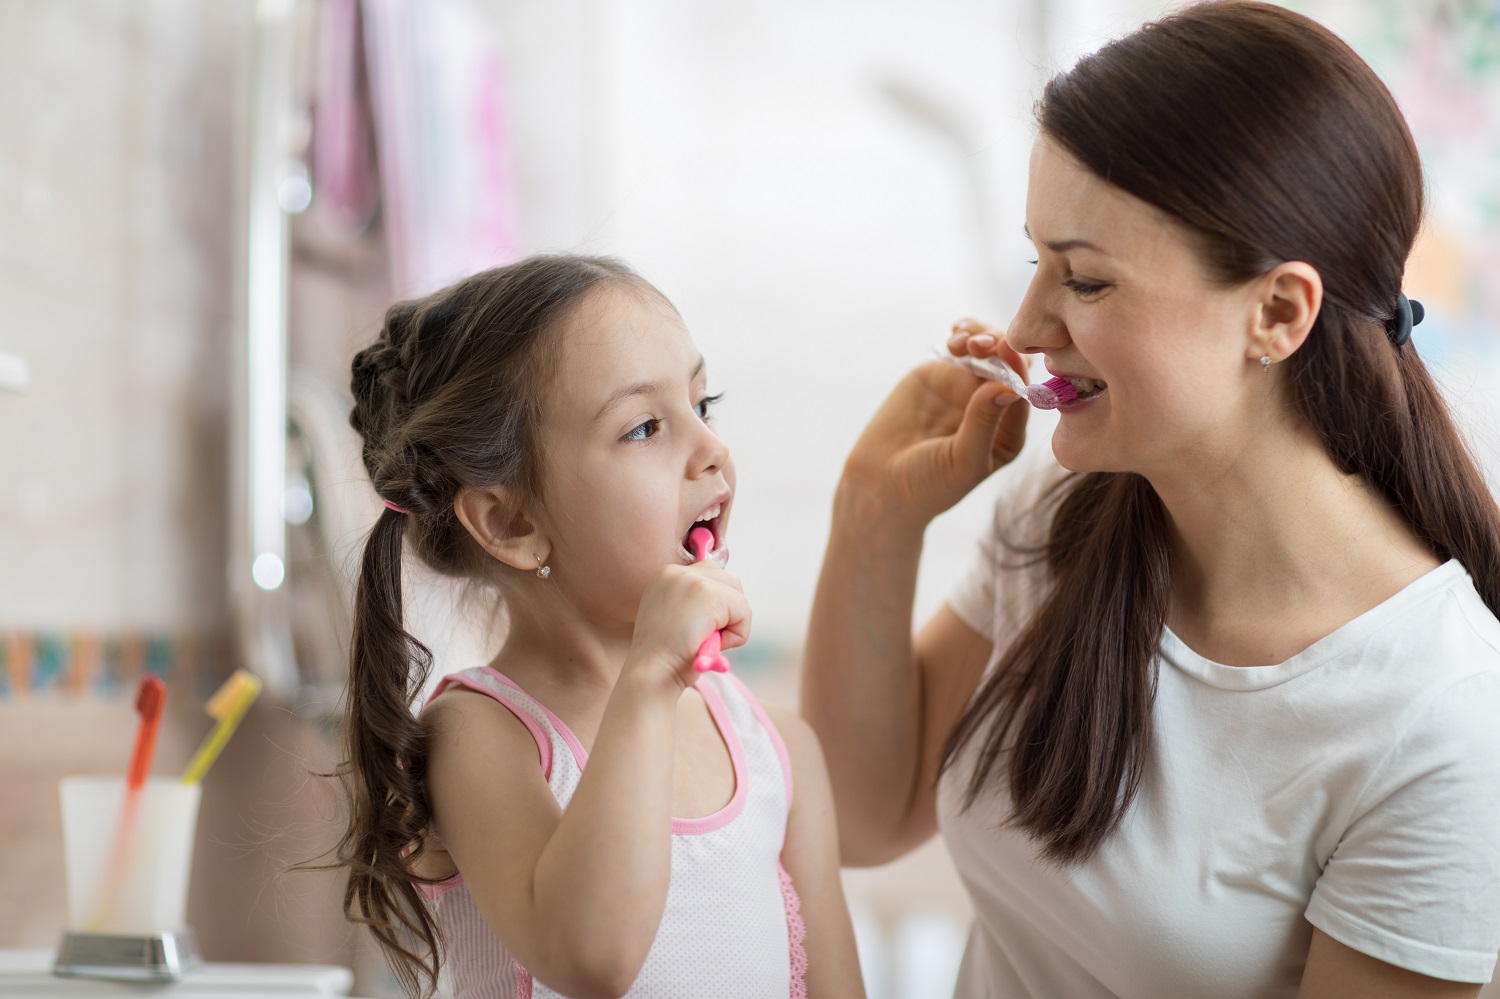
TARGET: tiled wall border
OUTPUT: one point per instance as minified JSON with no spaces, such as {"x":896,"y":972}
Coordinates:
{"x":94,"y":664}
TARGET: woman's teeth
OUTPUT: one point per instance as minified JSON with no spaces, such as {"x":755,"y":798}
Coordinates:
{"x":1086,"y":386}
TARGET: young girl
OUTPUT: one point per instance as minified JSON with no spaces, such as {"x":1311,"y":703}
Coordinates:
{"x":588,"y":815}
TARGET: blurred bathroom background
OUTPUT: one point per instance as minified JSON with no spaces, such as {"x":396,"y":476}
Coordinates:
{"x":206,"y":205}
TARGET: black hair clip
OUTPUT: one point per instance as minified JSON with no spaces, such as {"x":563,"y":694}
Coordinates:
{"x":1409,"y":313}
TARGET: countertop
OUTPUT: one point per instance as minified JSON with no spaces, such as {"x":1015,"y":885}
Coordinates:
{"x":27,"y":974}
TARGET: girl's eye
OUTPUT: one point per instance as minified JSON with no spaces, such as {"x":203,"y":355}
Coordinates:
{"x":1083,"y":289}
{"x":644,"y":432}
{"x":706,"y":403}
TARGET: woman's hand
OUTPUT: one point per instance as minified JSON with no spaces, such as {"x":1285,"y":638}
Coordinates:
{"x":681,"y":608}
{"x":940,"y":433}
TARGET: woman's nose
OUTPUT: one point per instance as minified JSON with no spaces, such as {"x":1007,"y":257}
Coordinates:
{"x":1036,"y":328}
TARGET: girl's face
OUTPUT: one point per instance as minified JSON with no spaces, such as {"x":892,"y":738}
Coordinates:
{"x":631,"y":461}
{"x":1121,"y":297}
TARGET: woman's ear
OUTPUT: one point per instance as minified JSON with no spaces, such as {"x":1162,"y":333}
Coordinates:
{"x":497,"y":520}
{"x":1291,"y":295}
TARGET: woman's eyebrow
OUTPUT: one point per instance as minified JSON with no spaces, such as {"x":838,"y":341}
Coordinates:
{"x":1064,"y":245}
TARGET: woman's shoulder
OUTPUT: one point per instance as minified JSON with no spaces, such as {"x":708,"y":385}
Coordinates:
{"x":1443,"y":625}
{"x":1432,"y":654}
{"x":1008,"y":575}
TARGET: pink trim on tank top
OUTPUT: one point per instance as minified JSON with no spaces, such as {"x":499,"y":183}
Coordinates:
{"x":580,"y":755}
{"x":543,"y":744}
{"x":720,"y":715}
{"x":436,"y":890}
{"x":725,"y":815}
{"x":772,"y":731}
{"x":796,"y":932}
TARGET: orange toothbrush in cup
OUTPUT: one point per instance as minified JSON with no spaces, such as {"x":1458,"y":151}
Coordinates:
{"x":150,"y":699}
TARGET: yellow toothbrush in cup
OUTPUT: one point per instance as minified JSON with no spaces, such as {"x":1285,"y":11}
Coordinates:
{"x":228,"y":705}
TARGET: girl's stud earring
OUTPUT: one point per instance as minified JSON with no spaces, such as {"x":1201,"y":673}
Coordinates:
{"x":1265,"y":362}
{"x":542,"y":571}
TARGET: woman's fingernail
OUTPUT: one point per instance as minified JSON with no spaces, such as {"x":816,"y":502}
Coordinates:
{"x":983,"y":339}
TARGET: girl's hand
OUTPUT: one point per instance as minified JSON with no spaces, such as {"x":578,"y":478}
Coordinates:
{"x":941,"y":432}
{"x":681,"y":608}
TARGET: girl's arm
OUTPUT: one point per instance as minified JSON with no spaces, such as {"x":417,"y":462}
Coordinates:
{"x":881,"y":704}
{"x":1336,"y":971}
{"x":811,"y":856}
{"x":577,"y":895}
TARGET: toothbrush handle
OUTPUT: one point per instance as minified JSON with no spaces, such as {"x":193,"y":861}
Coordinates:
{"x":709,"y":657}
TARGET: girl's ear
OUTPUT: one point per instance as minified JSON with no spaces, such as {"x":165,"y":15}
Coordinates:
{"x":1291,"y":295}
{"x":496,"y":520}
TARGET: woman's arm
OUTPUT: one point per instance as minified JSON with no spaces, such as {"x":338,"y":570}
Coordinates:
{"x":811,"y":856}
{"x":1336,"y":971}
{"x":881,"y":704}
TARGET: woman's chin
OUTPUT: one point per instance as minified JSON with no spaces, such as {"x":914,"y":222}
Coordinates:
{"x":1089,"y":452}
{"x":1077,"y":452}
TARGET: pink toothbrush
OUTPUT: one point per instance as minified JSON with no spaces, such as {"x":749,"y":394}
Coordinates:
{"x":1048,"y":395}
{"x":1052,"y":393}
{"x":700,"y":540}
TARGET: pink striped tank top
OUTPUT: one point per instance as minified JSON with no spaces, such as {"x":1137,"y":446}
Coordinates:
{"x":731,"y":927}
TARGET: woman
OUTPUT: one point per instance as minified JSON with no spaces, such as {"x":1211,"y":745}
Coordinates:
{"x":1216,"y":712}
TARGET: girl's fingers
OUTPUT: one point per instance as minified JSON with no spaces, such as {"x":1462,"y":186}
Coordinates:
{"x":735,"y":608}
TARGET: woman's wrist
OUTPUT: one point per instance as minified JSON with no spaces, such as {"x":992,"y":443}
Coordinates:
{"x":865,"y":505}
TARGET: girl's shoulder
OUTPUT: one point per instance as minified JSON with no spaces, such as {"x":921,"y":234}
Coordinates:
{"x":482,"y":705}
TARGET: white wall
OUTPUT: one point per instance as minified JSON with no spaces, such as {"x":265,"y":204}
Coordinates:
{"x":114,"y":229}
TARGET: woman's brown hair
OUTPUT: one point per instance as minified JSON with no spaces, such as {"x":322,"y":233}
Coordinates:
{"x":1271,"y":140}
{"x":449,"y":395}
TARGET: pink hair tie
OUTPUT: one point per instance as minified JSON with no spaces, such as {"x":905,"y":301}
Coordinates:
{"x":391,"y":506}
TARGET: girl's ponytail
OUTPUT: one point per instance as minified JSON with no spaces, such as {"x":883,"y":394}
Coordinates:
{"x":387,"y":762}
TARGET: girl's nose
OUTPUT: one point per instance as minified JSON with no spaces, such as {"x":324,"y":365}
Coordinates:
{"x":712,"y":453}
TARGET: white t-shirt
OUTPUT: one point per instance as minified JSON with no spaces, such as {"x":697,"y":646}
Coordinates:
{"x":1354,"y":787}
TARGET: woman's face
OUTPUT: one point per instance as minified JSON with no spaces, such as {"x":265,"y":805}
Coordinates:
{"x":1121,"y":296}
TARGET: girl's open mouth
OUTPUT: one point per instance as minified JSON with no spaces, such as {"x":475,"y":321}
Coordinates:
{"x":712,"y":520}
